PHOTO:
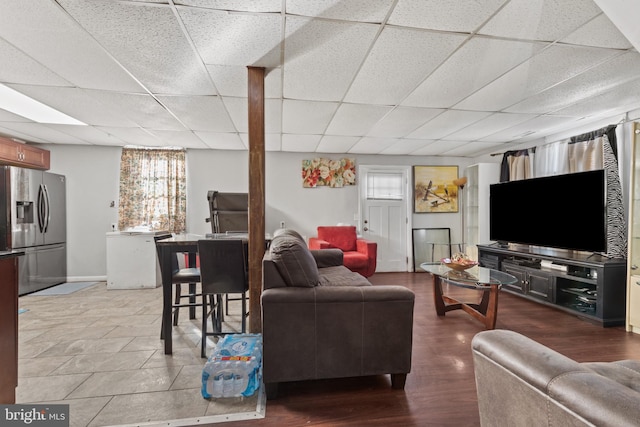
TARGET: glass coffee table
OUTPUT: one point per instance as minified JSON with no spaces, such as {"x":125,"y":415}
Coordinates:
{"x":486,"y":280}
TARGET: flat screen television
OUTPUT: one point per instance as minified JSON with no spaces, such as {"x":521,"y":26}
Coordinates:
{"x":561,"y":211}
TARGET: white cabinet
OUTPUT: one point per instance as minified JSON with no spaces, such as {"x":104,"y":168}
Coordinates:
{"x":479,"y":177}
{"x":633,"y":258}
{"x":132,"y":262}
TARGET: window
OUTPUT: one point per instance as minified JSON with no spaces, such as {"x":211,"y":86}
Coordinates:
{"x":384,"y":186}
{"x":152,"y":189}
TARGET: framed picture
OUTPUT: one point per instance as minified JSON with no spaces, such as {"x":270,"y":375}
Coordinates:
{"x":434,"y":190}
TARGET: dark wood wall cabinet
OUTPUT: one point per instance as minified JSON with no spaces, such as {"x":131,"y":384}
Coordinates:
{"x":587,"y":285}
{"x":14,"y":153}
{"x":9,"y":326}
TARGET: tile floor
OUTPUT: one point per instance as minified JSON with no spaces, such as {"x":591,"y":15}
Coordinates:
{"x":99,"y":350}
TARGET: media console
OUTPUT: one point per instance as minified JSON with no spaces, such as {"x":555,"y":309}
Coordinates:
{"x":590,"y":286}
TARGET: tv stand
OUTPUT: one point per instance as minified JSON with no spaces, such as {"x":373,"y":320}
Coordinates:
{"x":588,"y":285}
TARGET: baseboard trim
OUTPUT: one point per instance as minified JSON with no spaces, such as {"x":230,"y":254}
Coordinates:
{"x":86,"y":278}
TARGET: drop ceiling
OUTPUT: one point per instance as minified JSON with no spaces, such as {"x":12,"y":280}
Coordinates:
{"x":396,"y":77}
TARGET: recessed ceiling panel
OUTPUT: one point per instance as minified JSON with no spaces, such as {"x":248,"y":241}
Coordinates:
{"x":222,"y":141}
{"x":200,"y":112}
{"x":469,"y":149}
{"x":133,"y":136}
{"x":478,"y":62}
{"x":306,"y":118}
{"x":352,"y":10}
{"x":355,"y":119}
{"x":317,"y":65}
{"x":336,"y":144}
{"x":460,"y":15}
{"x":154,"y":47}
{"x":84,"y":105}
{"x":239,"y":111}
{"x":552,"y":66}
{"x":490,"y":125}
{"x":446,"y":123}
{"x":224,"y":38}
{"x":405,"y":147}
{"x":402,"y":121}
{"x":184,"y":138}
{"x":370,"y":145}
{"x":412,"y":54}
{"x":299,"y":142}
{"x":143,"y":110}
{"x":540,"y":19}
{"x":51,"y":37}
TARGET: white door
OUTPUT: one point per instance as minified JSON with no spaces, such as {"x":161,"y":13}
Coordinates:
{"x":383,"y":202}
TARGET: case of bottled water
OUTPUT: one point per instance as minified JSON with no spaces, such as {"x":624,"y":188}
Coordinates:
{"x":234,"y":367}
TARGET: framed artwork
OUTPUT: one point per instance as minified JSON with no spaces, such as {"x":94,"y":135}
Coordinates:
{"x":327,"y":172}
{"x":434,"y":190}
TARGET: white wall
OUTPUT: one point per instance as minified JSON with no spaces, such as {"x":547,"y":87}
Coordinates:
{"x":93,"y":179}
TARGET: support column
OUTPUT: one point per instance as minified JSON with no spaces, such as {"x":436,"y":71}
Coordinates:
{"x":256,"y":194}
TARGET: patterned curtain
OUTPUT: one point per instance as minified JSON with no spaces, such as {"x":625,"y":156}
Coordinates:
{"x":153,"y":189}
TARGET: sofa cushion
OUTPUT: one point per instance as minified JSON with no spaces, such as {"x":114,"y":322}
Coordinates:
{"x":341,"y":276}
{"x":294,"y":261}
{"x":355,"y":260}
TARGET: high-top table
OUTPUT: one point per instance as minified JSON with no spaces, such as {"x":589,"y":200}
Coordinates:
{"x":486,"y":280}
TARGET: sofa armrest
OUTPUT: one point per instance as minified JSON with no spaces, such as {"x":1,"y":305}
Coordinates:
{"x":370,"y":248}
{"x":316,"y":243}
{"x":328,"y":257}
{"x":336,"y":331}
{"x":533,"y":382}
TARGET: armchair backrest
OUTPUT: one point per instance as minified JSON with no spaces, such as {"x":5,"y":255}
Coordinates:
{"x":340,"y":236}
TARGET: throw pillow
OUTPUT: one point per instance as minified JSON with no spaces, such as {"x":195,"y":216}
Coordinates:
{"x":294,"y":261}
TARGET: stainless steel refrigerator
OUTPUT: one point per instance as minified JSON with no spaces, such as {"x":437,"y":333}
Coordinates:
{"x":34,"y":219}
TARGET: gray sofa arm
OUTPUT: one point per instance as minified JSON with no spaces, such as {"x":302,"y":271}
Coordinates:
{"x":523,"y":383}
{"x":333,"y":332}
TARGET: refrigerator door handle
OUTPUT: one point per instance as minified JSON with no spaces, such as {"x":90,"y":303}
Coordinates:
{"x":41,"y":208}
{"x":47,"y":205}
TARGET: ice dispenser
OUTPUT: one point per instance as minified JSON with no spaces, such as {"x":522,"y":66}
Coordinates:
{"x":24,"y":212}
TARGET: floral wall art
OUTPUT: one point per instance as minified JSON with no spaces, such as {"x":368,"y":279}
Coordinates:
{"x":326,"y":172}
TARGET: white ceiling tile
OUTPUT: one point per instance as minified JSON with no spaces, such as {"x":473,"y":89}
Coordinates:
{"x":584,"y":86}
{"x":184,"y":139}
{"x":239,"y":111}
{"x":370,"y":145}
{"x":237,"y":5}
{"x":158,"y":54}
{"x":42,"y":132}
{"x":206,"y":113}
{"x":490,"y":125}
{"x":133,"y":136}
{"x":552,"y":66}
{"x":232,"y":80}
{"x":143,"y":110}
{"x":352,"y":10}
{"x":355,"y":119}
{"x":8,"y":116}
{"x":469,"y":149}
{"x":620,"y":98}
{"x":14,"y":134}
{"x":53,"y":39}
{"x":478,"y":62}
{"x":234,"y":39}
{"x":540,"y":19}
{"x":89,"y":134}
{"x":405,"y":147}
{"x":306,"y":118}
{"x":84,"y":105}
{"x":402,"y":121}
{"x":446,"y":123}
{"x":272,"y":141}
{"x":317,"y":65}
{"x":460,"y":16}
{"x":599,"y":32}
{"x":299,"y":142}
{"x":412,"y":54}
{"x":534,"y":128}
{"x":336,"y":144}
{"x":20,"y":68}
{"x":222,"y":141}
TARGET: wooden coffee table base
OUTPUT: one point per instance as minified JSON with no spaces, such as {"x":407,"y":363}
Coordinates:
{"x":486,"y":312}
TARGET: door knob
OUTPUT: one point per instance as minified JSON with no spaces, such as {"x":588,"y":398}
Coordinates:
{"x":365,"y":229}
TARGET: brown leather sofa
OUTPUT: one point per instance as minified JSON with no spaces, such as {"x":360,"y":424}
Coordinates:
{"x":321,"y":320}
{"x":521,"y":382}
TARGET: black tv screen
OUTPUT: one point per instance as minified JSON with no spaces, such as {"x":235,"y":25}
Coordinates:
{"x":561,"y":211}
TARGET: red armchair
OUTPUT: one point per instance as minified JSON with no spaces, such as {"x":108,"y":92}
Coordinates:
{"x":359,"y":254}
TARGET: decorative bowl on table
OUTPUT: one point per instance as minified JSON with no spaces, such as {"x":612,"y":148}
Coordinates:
{"x":459,"y":265}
